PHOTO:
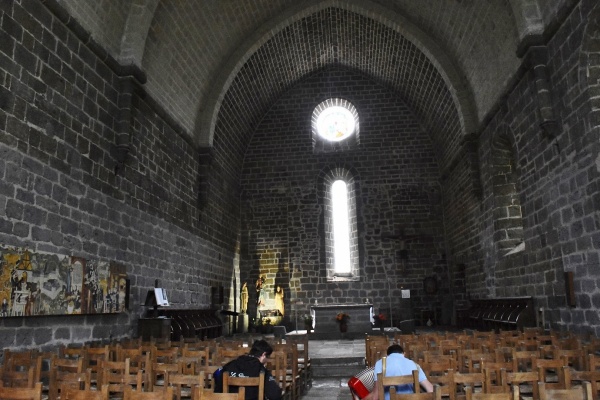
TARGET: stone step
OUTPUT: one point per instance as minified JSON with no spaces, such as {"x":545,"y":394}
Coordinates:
{"x":343,"y":367}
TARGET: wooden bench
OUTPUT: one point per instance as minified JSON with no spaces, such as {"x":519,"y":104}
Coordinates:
{"x":188,"y":323}
{"x":502,"y":313}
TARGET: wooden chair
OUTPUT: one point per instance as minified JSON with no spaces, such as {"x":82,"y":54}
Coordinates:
{"x":372,"y":343}
{"x":573,"y":358}
{"x":578,"y":377}
{"x":416,"y":351}
{"x":492,"y":375}
{"x":547,"y":340}
{"x":524,"y":361}
{"x":43,"y":374}
{"x":157,"y":374}
{"x":465,"y":356}
{"x":451,"y":350}
{"x":20,"y":368}
{"x":243,"y":383}
{"x":162,"y":344}
{"x":523,"y":380}
{"x":68,"y":392}
{"x":208,"y":371}
{"x":224,"y":355}
{"x":389,"y":381}
{"x":512,"y":395}
{"x":592,"y":362}
{"x":21,"y":393}
{"x":583,"y":392}
{"x":293,"y":378}
{"x":131,"y":394}
{"x":72,"y":352}
{"x":277,"y":363}
{"x":304,"y":361}
{"x":118,"y":377}
{"x":207,"y":394}
{"x":183,"y":384}
{"x":435,"y":395}
{"x":503,"y":354}
{"x":461,"y":381}
{"x":63,"y":371}
{"x":191,"y":358}
{"x":94,"y":355}
{"x":429,"y":355}
{"x":474,"y":362}
{"x":442,"y":374}
{"x":551,"y":372}
{"x":139,"y":362}
{"x":164,"y":355}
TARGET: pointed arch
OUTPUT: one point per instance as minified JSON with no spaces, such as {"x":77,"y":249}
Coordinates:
{"x":460,"y":92}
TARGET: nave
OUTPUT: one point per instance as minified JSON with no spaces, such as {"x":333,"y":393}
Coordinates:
{"x":536,"y":363}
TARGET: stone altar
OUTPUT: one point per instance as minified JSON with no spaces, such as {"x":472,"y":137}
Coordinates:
{"x":326,"y":326}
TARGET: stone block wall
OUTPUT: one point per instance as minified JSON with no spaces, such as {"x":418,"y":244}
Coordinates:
{"x":397,"y":193}
{"x":61,"y":112}
{"x":557,"y":181}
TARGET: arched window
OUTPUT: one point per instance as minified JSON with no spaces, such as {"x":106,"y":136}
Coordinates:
{"x":340,"y":225}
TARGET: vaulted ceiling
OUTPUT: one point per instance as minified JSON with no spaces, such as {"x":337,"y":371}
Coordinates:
{"x":449,"y":59}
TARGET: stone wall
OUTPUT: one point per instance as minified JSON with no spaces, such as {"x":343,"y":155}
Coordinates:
{"x":61,"y":113}
{"x":557,"y":180}
{"x":398,"y":194}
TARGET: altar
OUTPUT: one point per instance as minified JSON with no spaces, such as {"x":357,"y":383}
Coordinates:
{"x":326,"y":326}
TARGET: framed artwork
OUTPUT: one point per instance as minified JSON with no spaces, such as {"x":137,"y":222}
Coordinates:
{"x":35,"y":283}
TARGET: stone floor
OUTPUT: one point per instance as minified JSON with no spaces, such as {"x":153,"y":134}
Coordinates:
{"x":334,"y":363}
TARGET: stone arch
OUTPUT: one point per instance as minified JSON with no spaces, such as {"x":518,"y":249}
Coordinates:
{"x":326,"y":178}
{"x":462,"y":95}
{"x":507,"y":214}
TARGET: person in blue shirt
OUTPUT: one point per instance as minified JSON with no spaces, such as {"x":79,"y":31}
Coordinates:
{"x":398,"y":365}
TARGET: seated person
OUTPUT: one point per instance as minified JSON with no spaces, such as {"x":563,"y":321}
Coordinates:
{"x":251,"y":365}
{"x":398,"y":365}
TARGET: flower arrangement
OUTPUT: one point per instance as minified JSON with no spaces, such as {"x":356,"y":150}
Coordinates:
{"x":342,"y":318}
{"x":308,"y":320}
{"x":380,"y":319}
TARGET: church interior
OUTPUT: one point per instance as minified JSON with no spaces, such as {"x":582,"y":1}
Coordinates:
{"x":197,"y":147}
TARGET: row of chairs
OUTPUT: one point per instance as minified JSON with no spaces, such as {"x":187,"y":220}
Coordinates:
{"x":102,"y":393}
{"x":146,"y":366}
{"x":465,"y":386}
{"x":483,"y":360}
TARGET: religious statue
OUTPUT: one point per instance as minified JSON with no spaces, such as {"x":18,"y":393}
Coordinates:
{"x":260,"y":301}
{"x":279,"y":305}
{"x":244,"y":298}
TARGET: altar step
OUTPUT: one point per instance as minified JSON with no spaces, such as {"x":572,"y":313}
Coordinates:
{"x":342,"y":367}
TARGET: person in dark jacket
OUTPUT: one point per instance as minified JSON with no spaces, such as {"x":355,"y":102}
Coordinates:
{"x":251,"y":365}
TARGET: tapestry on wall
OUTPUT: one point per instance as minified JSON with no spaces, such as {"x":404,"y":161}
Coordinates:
{"x":52,"y":284}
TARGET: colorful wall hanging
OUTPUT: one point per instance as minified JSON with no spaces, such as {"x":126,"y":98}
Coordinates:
{"x":52,"y":284}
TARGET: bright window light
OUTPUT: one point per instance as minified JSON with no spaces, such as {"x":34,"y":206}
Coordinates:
{"x":335,"y":123}
{"x":341,"y":227}
{"x":335,"y":120}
